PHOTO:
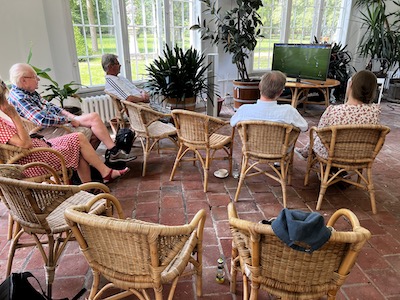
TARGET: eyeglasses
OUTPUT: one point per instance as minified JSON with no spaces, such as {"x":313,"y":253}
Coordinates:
{"x":32,"y":77}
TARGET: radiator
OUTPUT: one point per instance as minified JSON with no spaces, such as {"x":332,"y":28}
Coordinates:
{"x":101,"y":104}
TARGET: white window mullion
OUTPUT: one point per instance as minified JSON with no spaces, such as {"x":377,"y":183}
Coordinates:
{"x":286,"y":13}
{"x":121,"y":35}
{"x":167,"y":23}
{"x":318,"y":17}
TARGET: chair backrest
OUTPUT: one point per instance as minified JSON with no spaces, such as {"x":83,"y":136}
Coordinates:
{"x":286,"y":272}
{"x":353,"y":143}
{"x":126,"y":248}
{"x":265,"y":139}
{"x":141,"y":116}
{"x":195,"y":128}
{"x":120,"y":110}
{"x":30,"y":202}
{"x":381,"y":86}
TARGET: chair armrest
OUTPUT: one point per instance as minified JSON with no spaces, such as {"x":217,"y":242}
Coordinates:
{"x":26,"y":152}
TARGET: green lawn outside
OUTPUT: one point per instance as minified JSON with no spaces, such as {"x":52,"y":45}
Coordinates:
{"x":262,"y":60}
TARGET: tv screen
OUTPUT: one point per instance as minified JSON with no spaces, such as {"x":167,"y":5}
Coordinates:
{"x":302,"y":61}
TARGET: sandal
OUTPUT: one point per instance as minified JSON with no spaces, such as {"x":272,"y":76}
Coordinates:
{"x":109,"y":178}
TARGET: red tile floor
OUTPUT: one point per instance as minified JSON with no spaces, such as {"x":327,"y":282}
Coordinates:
{"x":154,"y":198}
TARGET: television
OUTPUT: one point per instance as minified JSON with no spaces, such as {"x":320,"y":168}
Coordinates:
{"x":302,"y":61}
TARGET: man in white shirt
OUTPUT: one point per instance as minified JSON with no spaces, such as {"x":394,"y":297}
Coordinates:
{"x":267,"y":108}
{"x":119,"y":86}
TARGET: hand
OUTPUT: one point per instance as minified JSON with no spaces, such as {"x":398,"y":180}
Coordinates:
{"x":9,"y":110}
{"x":145,"y":96}
{"x":75,"y":122}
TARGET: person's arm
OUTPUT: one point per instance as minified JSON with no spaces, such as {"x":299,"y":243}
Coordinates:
{"x":21,"y":138}
{"x":48,"y":115}
{"x":324,"y":121}
{"x":299,"y":121}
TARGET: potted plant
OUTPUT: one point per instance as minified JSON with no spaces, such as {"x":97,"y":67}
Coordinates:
{"x":63,"y":93}
{"x":237,"y":30}
{"x":179,"y":77}
{"x":60,"y":93}
{"x":339,"y":68}
{"x":381,"y":41}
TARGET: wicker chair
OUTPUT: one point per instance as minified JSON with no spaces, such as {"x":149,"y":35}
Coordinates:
{"x":134,"y":255}
{"x":121,"y":115}
{"x":265,"y":142}
{"x":12,"y":155}
{"x":39,"y":210}
{"x":148,"y":128}
{"x":271,"y":265}
{"x":351,"y":148}
{"x":198,"y":132}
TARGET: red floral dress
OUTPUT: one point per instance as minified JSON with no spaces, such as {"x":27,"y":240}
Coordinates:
{"x":345,"y":114}
{"x":68,"y":145}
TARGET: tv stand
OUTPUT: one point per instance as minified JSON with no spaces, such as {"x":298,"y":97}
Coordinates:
{"x":300,"y":91}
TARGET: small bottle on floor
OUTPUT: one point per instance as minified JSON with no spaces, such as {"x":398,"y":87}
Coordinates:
{"x":220,"y":276}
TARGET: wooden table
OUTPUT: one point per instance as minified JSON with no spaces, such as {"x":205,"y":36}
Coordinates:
{"x":301,"y":89}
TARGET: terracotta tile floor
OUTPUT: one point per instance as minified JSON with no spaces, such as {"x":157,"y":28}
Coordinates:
{"x":154,"y":198}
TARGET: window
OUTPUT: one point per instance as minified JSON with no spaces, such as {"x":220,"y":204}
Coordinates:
{"x":298,"y":21}
{"x":135,"y":30}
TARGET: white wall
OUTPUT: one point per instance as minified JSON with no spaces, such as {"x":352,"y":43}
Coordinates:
{"x":39,"y":24}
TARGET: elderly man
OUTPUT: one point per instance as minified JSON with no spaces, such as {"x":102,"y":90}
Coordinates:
{"x":119,"y":86}
{"x":30,"y":105}
{"x":271,"y":86}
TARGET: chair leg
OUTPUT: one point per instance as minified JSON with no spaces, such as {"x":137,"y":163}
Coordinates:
{"x":95,"y":284}
{"x":233,"y":269}
{"x":322,"y":191}
{"x":371,"y":190}
{"x":11,"y":252}
{"x":10,"y":227}
{"x":177,"y":159}
{"x":206,"y":169}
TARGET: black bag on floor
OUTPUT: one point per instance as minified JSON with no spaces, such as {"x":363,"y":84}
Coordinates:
{"x":17,"y":287}
{"x":124,"y":139}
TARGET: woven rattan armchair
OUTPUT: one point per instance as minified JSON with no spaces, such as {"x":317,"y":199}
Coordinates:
{"x":12,"y":155}
{"x":268,"y":263}
{"x":351,"y":149}
{"x":263,"y":144}
{"x":121,"y":115}
{"x":148,"y":128}
{"x":134,"y":255}
{"x":197,"y":133}
{"x":39,"y":210}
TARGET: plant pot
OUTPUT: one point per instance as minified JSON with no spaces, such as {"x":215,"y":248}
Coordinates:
{"x":245,"y":92}
{"x":177,"y":103}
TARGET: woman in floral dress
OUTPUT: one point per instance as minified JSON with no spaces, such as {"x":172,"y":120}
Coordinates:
{"x":361,"y":91}
{"x":75,"y":147}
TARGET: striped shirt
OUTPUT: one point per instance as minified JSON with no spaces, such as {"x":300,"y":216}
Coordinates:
{"x":36,"y":109}
{"x":121,"y":87}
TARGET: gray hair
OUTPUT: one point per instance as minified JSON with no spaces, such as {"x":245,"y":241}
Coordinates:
{"x":19,"y":70}
{"x":272,"y":84}
{"x":107,"y":60}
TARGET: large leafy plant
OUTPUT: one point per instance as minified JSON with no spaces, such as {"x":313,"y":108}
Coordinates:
{"x":54,"y":90}
{"x":237,"y":30}
{"x":381,"y":40}
{"x":178,"y":74}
